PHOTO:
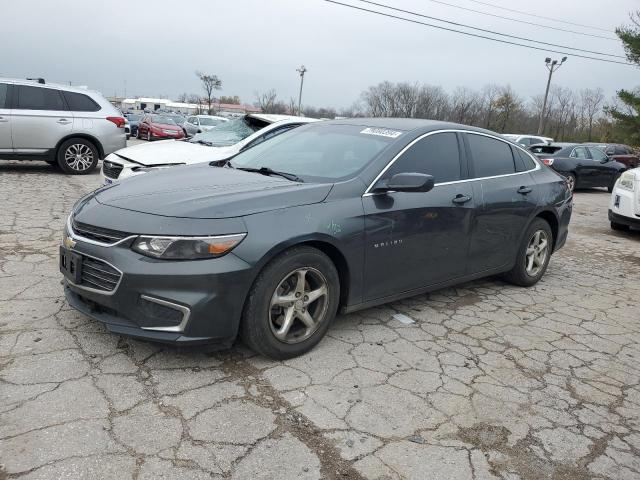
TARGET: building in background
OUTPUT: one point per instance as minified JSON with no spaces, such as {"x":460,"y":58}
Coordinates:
{"x":142,"y":104}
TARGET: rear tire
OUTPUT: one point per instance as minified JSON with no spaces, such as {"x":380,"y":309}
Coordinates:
{"x":571,"y":181}
{"x":532,"y":259}
{"x":77,"y":156}
{"x":299,"y":288}
{"x":619,"y":227}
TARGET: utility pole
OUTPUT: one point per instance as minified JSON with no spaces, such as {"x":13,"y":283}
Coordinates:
{"x":302,"y":71}
{"x":552,"y":66}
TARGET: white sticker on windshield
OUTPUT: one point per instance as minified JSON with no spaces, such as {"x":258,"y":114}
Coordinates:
{"x":381,"y":132}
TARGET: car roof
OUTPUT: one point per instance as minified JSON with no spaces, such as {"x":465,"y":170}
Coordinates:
{"x":35,"y":83}
{"x":416,"y":125}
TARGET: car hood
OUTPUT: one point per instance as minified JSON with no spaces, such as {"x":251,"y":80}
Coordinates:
{"x":174,"y":151}
{"x":203,"y":191}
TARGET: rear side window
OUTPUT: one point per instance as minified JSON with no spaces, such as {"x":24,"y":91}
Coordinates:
{"x":37,"y":98}
{"x":491,"y":157}
{"x":526,"y":160}
{"x":80,"y":103}
{"x":437,"y":155}
{"x":3,"y":95}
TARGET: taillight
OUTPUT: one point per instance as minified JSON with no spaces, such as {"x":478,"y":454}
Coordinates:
{"x":119,"y":121}
{"x":547,"y":161}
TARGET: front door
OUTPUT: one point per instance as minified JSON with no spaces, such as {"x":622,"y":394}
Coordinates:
{"x":39,"y":119}
{"x":417,"y":239}
{"x":5,"y":121}
{"x":604,"y":173}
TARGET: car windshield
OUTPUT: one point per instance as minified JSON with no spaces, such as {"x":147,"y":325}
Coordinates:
{"x":161,"y":119}
{"x":211,"y":122}
{"x":226,"y":134}
{"x":179,"y":120}
{"x":316,"y":152}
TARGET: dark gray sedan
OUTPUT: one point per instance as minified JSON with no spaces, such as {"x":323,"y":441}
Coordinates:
{"x":333,"y":215}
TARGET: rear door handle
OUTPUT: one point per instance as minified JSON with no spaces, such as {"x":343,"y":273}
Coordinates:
{"x":64,"y":121}
{"x":525,"y":190}
{"x":461,"y":199}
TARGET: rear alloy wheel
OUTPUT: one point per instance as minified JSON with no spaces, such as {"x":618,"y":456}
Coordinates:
{"x":291,"y":304}
{"x":571,"y":181}
{"x":77,"y":156}
{"x":533,"y":255}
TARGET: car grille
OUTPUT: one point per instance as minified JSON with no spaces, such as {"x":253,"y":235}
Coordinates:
{"x":98,"y":275}
{"x":102,"y":235}
{"x":110,"y":169}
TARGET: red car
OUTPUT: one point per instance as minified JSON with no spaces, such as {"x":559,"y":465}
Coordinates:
{"x":153,"y":126}
{"x":620,"y":153}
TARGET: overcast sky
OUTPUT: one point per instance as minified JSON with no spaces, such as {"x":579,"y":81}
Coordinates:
{"x":254,"y":45}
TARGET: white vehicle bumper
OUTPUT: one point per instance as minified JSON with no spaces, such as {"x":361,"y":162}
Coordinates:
{"x":624,"y":207}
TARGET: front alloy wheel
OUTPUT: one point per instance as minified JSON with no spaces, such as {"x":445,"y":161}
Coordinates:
{"x":298,"y":305}
{"x":291,"y":303}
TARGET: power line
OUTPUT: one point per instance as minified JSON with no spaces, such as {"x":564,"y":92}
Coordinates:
{"x":523,"y":21}
{"x":539,"y":16}
{"x":489,"y":31}
{"x":473,"y":34}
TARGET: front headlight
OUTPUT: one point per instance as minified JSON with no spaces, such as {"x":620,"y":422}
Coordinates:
{"x":627,"y":181}
{"x":186,"y":248}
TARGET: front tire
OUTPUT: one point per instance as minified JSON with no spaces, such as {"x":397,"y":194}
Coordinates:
{"x":533,"y":255}
{"x":291,"y":304}
{"x":77,"y":156}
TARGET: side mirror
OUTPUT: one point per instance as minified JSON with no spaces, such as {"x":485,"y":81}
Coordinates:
{"x":606,"y":160}
{"x":407,"y":182}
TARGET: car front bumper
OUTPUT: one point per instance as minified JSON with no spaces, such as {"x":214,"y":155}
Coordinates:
{"x":624,"y":220}
{"x":182,"y":302}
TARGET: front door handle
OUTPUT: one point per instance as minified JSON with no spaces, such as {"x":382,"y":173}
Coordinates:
{"x":64,"y":121}
{"x":524,"y":190}
{"x":461,"y":199}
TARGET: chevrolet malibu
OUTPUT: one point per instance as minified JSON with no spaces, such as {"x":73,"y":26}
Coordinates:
{"x":331,"y":216}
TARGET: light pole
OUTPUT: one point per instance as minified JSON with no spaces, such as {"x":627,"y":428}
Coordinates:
{"x":301,"y":71}
{"x":552,"y":66}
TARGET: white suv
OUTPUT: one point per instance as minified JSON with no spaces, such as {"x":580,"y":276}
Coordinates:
{"x":67,"y":126}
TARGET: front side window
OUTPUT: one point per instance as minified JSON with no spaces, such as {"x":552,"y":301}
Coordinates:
{"x":491,"y":157}
{"x":437,"y":155}
{"x":37,"y":98}
{"x":597,"y":154}
{"x":316,"y":152}
{"x":78,"y":102}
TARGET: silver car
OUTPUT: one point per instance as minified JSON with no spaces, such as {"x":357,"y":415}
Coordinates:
{"x":62,"y":125}
{"x":201,"y":123}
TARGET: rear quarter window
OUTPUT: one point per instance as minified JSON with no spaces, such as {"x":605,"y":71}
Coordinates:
{"x":527,"y":162}
{"x":491,"y":157}
{"x":79,"y":102}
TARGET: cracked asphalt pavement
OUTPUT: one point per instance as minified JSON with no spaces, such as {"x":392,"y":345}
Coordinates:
{"x":491,"y":381}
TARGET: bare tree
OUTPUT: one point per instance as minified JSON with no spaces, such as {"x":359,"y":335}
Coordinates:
{"x":490,"y":94}
{"x":591,"y":102}
{"x":432,"y":103}
{"x":210,"y":83}
{"x":466,"y":105}
{"x":268,"y":103}
{"x":506,"y":105}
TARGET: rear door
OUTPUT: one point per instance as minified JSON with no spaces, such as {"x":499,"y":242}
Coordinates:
{"x":417,"y":239}
{"x":39,"y":119}
{"x":6,"y":145}
{"x":506,"y":198}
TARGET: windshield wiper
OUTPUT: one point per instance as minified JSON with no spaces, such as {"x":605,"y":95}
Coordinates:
{"x":268,"y":171}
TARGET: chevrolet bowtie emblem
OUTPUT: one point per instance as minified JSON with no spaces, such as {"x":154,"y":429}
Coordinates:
{"x":69,"y":242}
